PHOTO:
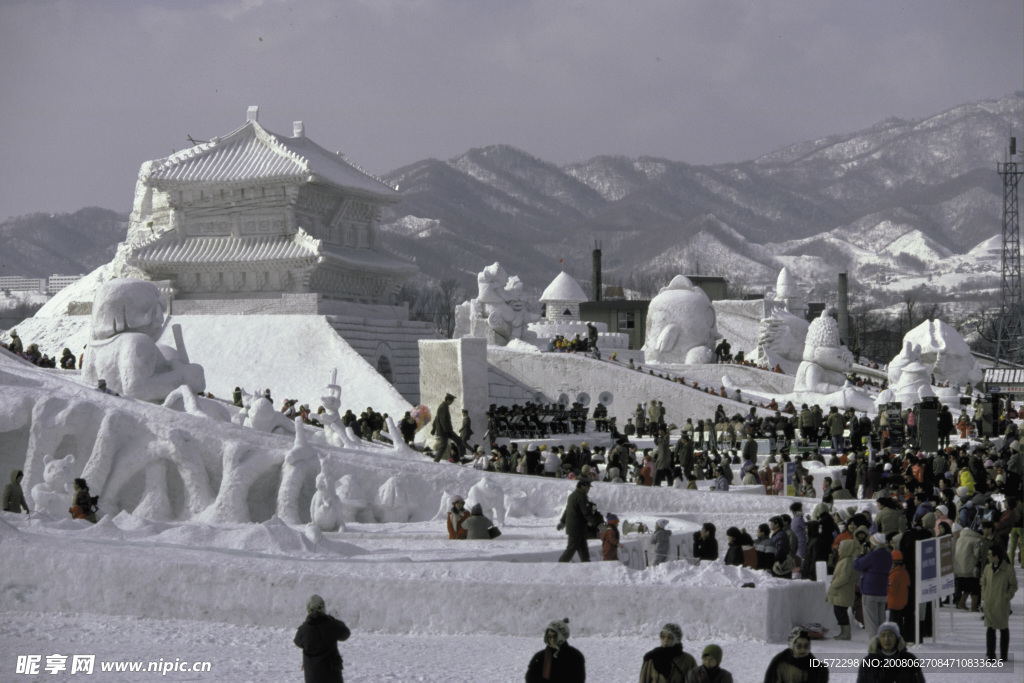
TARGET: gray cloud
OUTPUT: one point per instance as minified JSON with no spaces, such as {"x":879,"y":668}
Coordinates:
{"x":90,"y":90}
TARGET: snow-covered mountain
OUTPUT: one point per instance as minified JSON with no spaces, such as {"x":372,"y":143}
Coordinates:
{"x":899,"y":198}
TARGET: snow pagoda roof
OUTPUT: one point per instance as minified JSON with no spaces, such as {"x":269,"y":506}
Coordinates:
{"x":564,"y":288}
{"x":252,"y":153}
{"x":293,"y":249}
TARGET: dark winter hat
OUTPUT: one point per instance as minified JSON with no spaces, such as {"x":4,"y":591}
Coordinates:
{"x":561,"y":628}
{"x":797,"y":633}
{"x":449,"y":397}
{"x":714,"y":651}
{"x":315,"y":604}
{"x":476,"y":510}
{"x":611,"y":518}
{"x":674,"y":631}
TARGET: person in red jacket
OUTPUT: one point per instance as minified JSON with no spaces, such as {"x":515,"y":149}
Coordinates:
{"x":898,"y":600}
{"x":456,"y":516}
{"x":610,"y":539}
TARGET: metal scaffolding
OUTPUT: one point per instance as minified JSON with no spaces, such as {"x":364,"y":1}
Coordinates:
{"x":1009,"y":346}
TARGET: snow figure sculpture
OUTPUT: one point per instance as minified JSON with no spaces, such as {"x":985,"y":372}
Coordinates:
{"x":53,"y":496}
{"x":913,"y":377}
{"x":261,"y":416}
{"x":943,"y":351}
{"x":680,"y":325}
{"x":394,"y":502}
{"x":353,"y":504}
{"x":299,"y":463}
{"x":821,"y":377}
{"x":127,"y":319}
{"x":325,"y":509}
{"x":783,"y":329}
{"x":498,"y":312}
{"x":490,"y":496}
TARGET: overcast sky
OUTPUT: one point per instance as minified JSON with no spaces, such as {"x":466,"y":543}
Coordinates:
{"x":90,"y":90}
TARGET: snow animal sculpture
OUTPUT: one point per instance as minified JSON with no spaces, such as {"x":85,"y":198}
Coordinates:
{"x":942,"y":350}
{"x":261,"y":416}
{"x":394,"y":501}
{"x":53,"y":496}
{"x":498,"y":312}
{"x":127,"y":318}
{"x":325,"y":509}
{"x":353,"y":503}
{"x":821,"y":377}
{"x":490,"y":496}
{"x":680,"y":325}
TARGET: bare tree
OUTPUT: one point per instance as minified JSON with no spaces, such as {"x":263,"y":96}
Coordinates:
{"x":447,"y":297}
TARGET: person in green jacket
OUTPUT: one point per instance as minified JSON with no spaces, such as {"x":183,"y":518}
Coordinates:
{"x":998,"y":585}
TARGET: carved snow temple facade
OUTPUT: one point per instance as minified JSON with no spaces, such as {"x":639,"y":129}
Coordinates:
{"x":258,"y":223}
{"x":257,"y":216}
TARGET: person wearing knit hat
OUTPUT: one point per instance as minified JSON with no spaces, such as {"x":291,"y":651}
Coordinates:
{"x":668,"y":662}
{"x":796,"y":662}
{"x":888,"y":659}
{"x":318,"y":637}
{"x":709,"y":670}
{"x":874,"y":566}
{"x":558,"y":661}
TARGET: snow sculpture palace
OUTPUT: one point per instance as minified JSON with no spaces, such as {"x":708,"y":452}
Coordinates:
{"x":255,"y":216}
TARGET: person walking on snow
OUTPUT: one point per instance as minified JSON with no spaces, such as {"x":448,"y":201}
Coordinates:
{"x":318,"y":637}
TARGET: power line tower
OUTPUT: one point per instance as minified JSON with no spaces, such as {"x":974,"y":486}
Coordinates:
{"x":1009,"y":344}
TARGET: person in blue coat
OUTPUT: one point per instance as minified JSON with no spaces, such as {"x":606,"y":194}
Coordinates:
{"x":874,"y":566}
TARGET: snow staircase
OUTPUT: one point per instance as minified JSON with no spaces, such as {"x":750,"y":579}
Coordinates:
{"x":390,"y":345}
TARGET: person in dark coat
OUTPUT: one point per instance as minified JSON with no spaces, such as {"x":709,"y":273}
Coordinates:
{"x":794,"y":663}
{"x":558,"y":661}
{"x":888,"y":660}
{"x":705,"y":545}
{"x":14,"y":497}
{"x":443,"y":430}
{"x":668,"y":662}
{"x":83,"y":506}
{"x":710,"y":670}
{"x":574,"y":521}
{"x":318,"y":637}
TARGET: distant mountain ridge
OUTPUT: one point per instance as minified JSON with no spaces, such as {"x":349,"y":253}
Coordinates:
{"x":857,"y":201}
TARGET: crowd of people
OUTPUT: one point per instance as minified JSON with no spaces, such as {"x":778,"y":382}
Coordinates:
{"x":32,"y":354}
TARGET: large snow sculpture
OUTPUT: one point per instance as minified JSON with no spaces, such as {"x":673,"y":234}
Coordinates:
{"x":821,"y":377}
{"x":912,"y":378}
{"x":942,"y":350}
{"x":53,"y":496}
{"x":499,"y":310}
{"x":680,"y":325}
{"x":490,"y":496}
{"x":783,"y":330}
{"x":127,"y":319}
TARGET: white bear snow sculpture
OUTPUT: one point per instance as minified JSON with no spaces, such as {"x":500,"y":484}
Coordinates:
{"x":127,"y":319}
{"x":498,"y":312}
{"x":680,"y":325}
{"x":490,"y":496}
{"x":53,"y":496}
{"x":821,"y":377}
{"x":912,"y":377}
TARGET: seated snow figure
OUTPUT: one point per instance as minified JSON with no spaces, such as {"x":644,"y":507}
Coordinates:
{"x":913,"y":377}
{"x":680,"y":325}
{"x":353,"y":504}
{"x":325,"y":509}
{"x":498,"y":312}
{"x":509,"y":319}
{"x":127,"y":319}
{"x":261,"y":416}
{"x":821,"y":377}
{"x":490,"y":496}
{"x":53,"y":494}
{"x":943,"y":351}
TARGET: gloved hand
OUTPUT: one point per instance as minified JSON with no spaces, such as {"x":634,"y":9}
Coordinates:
{"x":561,"y":525}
